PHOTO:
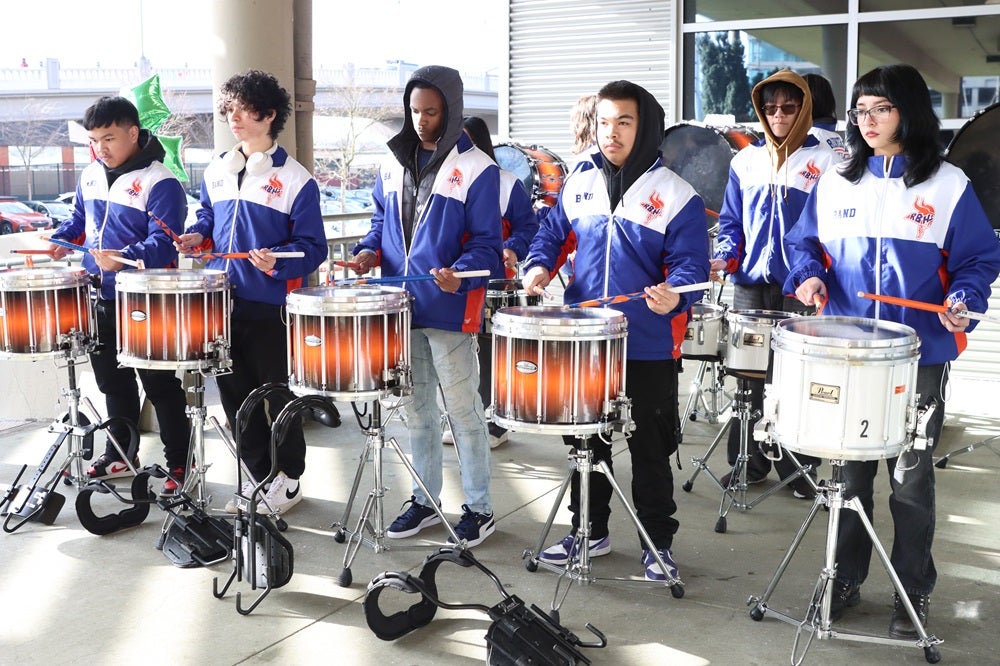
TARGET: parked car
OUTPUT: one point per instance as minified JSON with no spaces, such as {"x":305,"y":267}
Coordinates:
{"x":58,"y":211}
{"x":66,"y":198}
{"x":16,"y":217}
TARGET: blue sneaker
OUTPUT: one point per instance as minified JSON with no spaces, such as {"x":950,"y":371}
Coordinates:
{"x":561,"y":552}
{"x":474,"y":527}
{"x":653,"y":570}
{"x":411,"y":521}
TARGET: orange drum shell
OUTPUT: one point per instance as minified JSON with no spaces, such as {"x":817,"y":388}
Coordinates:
{"x":38,"y":306}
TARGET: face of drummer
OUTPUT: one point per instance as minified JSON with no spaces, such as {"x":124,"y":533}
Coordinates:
{"x":785,"y":111}
{"x":617,"y":126}
{"x":427,"y":114}
{"x":115,"y":144}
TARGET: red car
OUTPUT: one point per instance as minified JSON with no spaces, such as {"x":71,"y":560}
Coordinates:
{"x":16,"y":217}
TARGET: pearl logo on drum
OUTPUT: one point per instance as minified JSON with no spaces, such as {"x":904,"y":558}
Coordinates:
{"x":137,"y":316}
{"x":824,"y":393}
{"x":526,"y":367}
{"x":313,"y":341}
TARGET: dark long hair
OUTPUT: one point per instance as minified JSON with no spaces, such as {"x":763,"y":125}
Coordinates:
{"x":480,"y":134}
{"x":906,"y":89}
{"x":824,"y":102}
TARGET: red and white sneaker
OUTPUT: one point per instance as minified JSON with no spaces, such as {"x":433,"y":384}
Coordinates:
{"x":174,"y":482}
{"x":106,"y":468}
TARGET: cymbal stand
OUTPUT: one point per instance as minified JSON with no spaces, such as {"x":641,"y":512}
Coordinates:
{"x":578,"y":568}
{"x":370,"y":527}
{"x":735,"y":495}
{"x":817,"y":622}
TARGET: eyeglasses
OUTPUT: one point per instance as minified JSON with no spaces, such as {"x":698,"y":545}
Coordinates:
{"x":877,"y":114}
{"x":786,"y":109}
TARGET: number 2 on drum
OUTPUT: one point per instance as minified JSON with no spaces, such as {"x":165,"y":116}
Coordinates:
{"x":864,"y":429}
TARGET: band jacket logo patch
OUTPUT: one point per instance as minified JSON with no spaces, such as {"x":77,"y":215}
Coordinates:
{"x":273,"y":188}
{"x":653,"y":207}
{"x":134,"y":191}
{"x":810,"y":175}
{"x":455,"y":179}
{"x":922,"y":215}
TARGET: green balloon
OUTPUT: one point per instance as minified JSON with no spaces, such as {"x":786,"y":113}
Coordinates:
{"x":172,"y":159}
{"x":149,"y":101}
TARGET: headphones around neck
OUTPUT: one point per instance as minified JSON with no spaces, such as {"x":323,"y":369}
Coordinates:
{"x":258,"y":163}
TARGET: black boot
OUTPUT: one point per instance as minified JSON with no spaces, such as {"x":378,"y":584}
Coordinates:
{"x":844,"y":596}
{"x":901,"y":626}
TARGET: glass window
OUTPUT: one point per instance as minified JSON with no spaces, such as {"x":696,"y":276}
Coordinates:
{"x":700,"y":11}
{"x":894,"y":5}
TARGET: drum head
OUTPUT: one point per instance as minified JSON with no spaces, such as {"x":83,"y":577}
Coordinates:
{"x":701,"y":156}
{"x":976,"y":152}
{"x":511,"y":158}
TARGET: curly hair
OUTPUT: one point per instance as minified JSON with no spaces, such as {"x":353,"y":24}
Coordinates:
{"x":261,"y":93}
{"x":581,"y":120}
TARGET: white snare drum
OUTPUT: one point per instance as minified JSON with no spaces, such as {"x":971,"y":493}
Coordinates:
{"x":349,"y":343}
{"x":842,"y":386}
{"x":558,"y":371}
{"x":45,"y":312}
{"x":705,"y":339}
{"x":170,"y":318}
{"x":506,"y":294}
{"x":748,"y":341}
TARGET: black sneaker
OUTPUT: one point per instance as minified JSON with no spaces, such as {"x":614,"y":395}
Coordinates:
{"x":901,"y":626}
{"x":411,"y":521}
{"x":474,"y":527}
{"x":802,"y":489}
{"x":106,"y":467}
{"x":844,"y":596}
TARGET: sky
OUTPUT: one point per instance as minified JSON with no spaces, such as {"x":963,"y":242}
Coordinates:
{"x":365,"y":32}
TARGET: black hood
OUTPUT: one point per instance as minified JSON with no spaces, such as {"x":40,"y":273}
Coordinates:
{"x":645,"y":151}
{"x":150,"y":150}
{"x":448,"y":83}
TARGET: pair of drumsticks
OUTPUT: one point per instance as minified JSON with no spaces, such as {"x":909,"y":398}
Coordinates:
{"x":205,"y":256}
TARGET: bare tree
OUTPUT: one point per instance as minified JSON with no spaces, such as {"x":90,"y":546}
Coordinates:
{"x":361,"y":107}
{"x":40,"y":129}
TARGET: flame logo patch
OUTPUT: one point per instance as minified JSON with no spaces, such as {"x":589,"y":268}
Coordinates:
{"x":922,"y":216}
{"x":273,"y":188}
{"x":810,"y":174}
{"x":455,"y":179}
{"x":134,"y":191}
{"x":653,"y":207}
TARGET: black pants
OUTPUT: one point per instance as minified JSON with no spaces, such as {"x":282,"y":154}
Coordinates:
{"x":121,"y":393}
{"x":652,"y":386}
{"x":259,"y":353}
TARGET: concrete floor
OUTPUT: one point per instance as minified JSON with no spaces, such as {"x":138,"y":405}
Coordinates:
{"x":71,"y":597}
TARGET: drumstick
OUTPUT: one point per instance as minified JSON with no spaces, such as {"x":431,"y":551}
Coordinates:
{"x":410,"y":278}
{"x":74,"y":246}
{"x":204,"y":256}
{"x":820,"y":303}
{"x":163,"y":225}
{"x":18,"y":251}
{"x":124,"y":260}
{"x":621,"y":298}
{"x":712,"y":213}
{"x":347,"y":264}
{"x":928,"y":307}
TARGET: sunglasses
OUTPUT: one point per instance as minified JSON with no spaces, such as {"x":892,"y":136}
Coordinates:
{"x":787,"y":109}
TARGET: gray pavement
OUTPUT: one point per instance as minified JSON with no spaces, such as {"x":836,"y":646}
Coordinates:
{"x":71,"y":597}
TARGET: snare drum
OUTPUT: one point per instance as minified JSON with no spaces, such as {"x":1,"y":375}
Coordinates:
{"x":349,"y":343}
{"x":705,"y":338}
{"x":539,"y":170}
{"x":45,"y":312}
{"x":748,"y":341}
{"x":843,"y":386}
{"x":506,"y":294}
{"x":170,"y":318}
{"x":557,"y":371}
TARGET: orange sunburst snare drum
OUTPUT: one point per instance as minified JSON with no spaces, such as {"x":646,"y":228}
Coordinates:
{"x":349,"y":343}
{"x":45,"y":312}
{"x":539,"y":169}
{"x":170,"y":318}
{"x":558,"y":371}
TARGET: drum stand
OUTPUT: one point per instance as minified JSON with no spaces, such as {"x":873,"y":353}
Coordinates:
{"x":578,"y":568}
{"x":370,"y":526}
{"x":942,"y":462}
{"x":193,"y":492}
{"x":716,"y":403}
{"x":736,"y":494}
{"x":817,"y":623}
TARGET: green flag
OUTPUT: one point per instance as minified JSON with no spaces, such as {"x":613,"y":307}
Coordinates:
{"x":149,"y":101}
{"x":172,"y":160}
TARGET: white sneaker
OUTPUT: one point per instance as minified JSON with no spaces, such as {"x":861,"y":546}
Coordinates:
{"x":245,"y":490}
{"x":447,"y":437}
{"x":282,"y":494}
{"x":497,"y":440}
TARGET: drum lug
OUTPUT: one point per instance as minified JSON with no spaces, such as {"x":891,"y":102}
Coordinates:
{"x":923,"y":415}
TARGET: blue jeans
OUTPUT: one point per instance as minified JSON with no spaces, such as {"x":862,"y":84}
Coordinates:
{"x":448,"y":358}
{"x":911,"y":505}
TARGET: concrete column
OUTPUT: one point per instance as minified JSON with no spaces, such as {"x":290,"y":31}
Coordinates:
{"x":253,"y":34}
{"x":305,"y":85}
{"x":835,"y":65}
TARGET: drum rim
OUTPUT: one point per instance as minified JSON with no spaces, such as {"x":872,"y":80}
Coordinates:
{"x":43,"y":277}
{"x":171,"y":280}
{"x":760,"y":316}
{"x":909,"y":337}
{"x":363,"y":299}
